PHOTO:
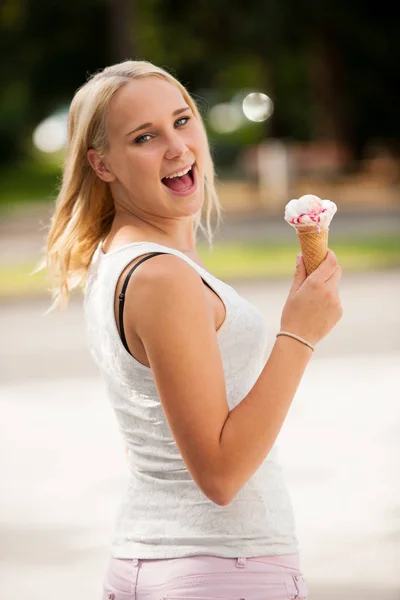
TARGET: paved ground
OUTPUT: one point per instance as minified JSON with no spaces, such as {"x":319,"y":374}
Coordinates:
{"x":62,"y":464}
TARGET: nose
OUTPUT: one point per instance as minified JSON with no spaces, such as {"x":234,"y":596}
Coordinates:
{"x":176,"y":147}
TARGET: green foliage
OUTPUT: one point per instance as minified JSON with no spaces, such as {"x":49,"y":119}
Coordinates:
{"x":330,"y":68}
{"x":28,"y":182}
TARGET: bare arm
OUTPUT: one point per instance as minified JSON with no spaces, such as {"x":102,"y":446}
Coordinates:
{"x":166,"y":307}
{"x":253,"y":425}
{"x":311,"y":310}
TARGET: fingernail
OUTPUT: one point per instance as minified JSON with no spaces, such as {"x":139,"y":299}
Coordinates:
{"x":298,"y":259}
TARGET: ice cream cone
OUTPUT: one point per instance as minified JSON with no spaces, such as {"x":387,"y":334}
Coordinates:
{"x":314,"y":246}
{"x":310,"y":216}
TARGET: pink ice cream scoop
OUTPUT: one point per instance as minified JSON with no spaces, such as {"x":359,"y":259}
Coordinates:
{"x":310,"y":211}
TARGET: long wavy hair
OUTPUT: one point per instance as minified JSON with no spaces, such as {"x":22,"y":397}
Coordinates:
{"x":84,"y":208}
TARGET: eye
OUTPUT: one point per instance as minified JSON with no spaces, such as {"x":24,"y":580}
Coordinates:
{"x":141,"y":140}
{"x":137,"y":141}
{"x":186,"y":119}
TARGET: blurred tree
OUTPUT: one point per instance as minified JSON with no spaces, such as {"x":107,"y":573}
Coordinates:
{"x":122,"y":18}
{"x":51,"y":47}
{"x":330,"y":68}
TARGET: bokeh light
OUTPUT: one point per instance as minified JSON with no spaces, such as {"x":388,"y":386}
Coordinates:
{"x":257,"y":107}
{"x":225,"y":117}
{"x":51,"y":134}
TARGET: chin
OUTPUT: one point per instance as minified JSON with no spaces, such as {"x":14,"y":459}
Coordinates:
{"x":190,"y":207}
{"x":187,"y":205}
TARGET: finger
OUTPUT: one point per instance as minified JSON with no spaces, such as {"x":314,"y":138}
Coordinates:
{"x":336,"y":276}
{"x":300,"y":275}
{"x":325,"y":269}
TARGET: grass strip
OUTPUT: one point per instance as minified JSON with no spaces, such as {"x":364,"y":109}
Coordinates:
{"x":235,"y":260}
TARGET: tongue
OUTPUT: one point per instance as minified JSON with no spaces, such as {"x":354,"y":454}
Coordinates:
{"x":178,"y":183}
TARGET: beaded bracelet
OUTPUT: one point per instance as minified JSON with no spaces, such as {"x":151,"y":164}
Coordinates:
{"x":296,"y":337}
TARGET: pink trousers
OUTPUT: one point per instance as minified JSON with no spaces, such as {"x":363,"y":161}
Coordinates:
{"x":205,"y":577}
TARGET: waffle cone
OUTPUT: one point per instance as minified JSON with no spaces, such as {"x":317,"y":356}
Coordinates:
{"x":314,"y":247}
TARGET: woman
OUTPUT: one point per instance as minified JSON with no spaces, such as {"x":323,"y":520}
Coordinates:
{"x":206,"y":513}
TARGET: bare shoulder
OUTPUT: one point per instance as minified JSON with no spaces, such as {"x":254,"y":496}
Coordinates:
{"x":158,"y":280}
{"x":164,"y":267}
{"x":174,"y":279}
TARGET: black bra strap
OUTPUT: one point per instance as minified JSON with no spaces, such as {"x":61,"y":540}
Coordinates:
{"x":122,"y":297}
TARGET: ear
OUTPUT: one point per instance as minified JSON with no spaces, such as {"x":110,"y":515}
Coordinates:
{"x":99,"y":166}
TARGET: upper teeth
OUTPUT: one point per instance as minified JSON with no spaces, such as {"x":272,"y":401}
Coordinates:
{"x":180,"y":173}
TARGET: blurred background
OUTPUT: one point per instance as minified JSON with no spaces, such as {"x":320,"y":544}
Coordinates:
{"x":298,"y":97}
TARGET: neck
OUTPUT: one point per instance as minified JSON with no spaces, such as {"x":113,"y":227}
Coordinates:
{"x":180,"y":236}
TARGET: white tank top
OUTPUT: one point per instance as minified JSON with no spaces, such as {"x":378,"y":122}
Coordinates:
{"x":163,"y":513}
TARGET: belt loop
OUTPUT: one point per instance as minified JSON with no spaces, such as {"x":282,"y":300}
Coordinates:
{"x":241,"y":562}
{"x":135,"y":561}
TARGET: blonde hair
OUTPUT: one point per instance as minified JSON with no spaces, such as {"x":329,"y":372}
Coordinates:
{"x":84,"y":208}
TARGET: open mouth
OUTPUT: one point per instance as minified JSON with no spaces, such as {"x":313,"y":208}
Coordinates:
{"x":179,"y":185}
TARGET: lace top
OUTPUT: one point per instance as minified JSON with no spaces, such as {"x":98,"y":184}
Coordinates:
{"x":163,"y":513}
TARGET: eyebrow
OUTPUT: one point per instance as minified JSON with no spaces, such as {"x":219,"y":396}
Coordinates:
{"x":146,"y":125}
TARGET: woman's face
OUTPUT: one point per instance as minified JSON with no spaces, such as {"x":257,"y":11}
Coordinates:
{"x":152,"y":134}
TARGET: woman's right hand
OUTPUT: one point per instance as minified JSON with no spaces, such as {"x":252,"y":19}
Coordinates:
{"x":313,"y":306}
